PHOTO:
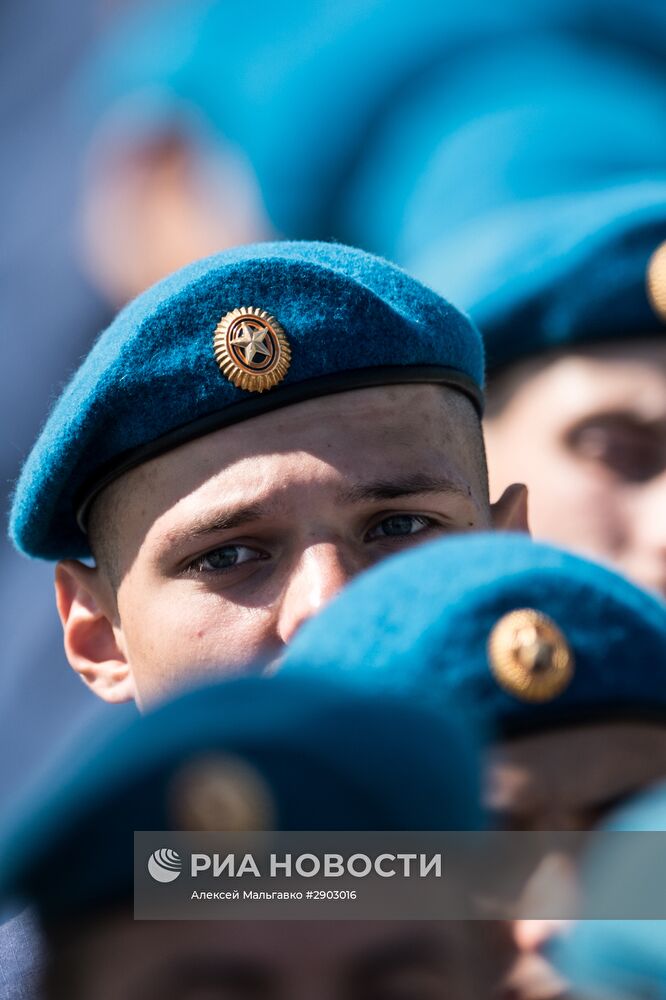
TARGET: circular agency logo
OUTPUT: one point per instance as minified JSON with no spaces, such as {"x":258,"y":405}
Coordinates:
{"x":165,"y":865}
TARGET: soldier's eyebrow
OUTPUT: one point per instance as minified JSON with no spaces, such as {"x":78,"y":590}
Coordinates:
{"x":376,"y":491}
{"x":401,"y":486}
{"x":236,"y":517}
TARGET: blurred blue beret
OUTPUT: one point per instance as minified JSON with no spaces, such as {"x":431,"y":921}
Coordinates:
{"x":525,"y":635}
{"x":327,"y":757}
{"x":298,"y":87}
{"x":623,"y":959}
{"x":294,"y":86}
{"x":264,"y":79}
{"x":563,"y":271}
{"x":471,"y":128}
{"x":152,"y":381}
{"x":536,"y":208}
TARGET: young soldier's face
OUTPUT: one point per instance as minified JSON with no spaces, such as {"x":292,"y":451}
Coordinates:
{"x":564,"y":779}
{"x":587,"y":433}
{"x":224,"y":547}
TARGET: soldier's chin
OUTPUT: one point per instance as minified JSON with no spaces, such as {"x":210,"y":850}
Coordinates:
{"x":532,"y":977}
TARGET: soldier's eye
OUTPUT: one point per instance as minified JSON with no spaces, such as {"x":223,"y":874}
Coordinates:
{"x":226,"y":557}
{"x":629,"y":449}
{"x":399,"y":525}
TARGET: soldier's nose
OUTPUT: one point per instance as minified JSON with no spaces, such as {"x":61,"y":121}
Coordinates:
{"x":319,"y":575}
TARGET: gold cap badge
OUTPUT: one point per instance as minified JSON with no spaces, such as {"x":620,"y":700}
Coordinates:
{"x":529,"y":656}
{"x":220,"y":792}
{"x":251,"y":349}
{"x":656,"y":281}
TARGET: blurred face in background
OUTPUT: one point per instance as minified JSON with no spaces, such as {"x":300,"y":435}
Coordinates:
{"x":567,"y":778}
{"x":252,"y":960}
{"x":586,"y":431}
{"x":571,"y":778}
{"x":154,"y":202}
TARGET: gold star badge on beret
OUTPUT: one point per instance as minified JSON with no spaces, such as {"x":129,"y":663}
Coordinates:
{"x":220,"y":792}
{"x":656,"y":281}
{"x":529,"y":656}
{"x":251,"y":349}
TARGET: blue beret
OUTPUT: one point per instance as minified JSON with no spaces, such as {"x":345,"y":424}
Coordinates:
{"x":622,"y":958}
{"x":563,"y":271}
{"x":525,"y":635}
{"x":152,"y":381}
{"x":329,"y":757}
{"x":560,"y":192}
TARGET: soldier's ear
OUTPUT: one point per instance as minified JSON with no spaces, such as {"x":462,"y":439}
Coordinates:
{"x":509,"y":513}
{"x":92,"y":633}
